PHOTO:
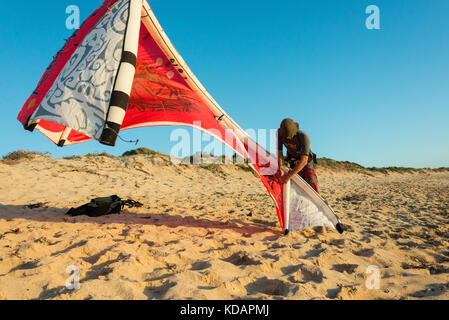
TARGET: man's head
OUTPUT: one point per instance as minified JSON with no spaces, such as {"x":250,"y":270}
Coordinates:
{"x":289,"y":128}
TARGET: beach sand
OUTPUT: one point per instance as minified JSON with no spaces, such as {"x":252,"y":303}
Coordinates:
{"x":213,"y":233}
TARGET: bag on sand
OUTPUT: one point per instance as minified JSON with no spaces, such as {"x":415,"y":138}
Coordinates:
{"x":103,"y":206}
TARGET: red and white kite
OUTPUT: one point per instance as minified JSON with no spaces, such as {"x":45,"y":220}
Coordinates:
{"x":120,"y":71}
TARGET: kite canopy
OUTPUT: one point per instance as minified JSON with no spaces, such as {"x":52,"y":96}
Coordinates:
{"x":120,"y":71}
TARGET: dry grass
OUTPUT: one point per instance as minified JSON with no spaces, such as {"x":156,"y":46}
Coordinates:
{"x":19,"y":155}
{"x":214,"y":166}
{"x":354,"y":167}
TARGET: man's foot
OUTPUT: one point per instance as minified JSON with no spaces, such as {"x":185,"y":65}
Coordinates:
{"x":321,"y":230}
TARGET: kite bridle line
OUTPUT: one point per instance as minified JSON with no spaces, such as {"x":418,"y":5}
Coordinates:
{"x":129,"y":141}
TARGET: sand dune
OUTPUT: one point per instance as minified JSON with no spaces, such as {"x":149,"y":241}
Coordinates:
{"x":212,"y":233}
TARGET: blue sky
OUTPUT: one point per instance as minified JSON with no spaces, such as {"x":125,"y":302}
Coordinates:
{"x":375,"y":97}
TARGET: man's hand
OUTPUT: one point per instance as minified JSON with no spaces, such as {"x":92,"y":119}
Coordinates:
{"x":285,"y":177}
{"x":299,"y":166}
{"x":282,"y":172}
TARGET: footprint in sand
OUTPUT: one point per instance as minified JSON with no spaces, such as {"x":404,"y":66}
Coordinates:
{"x":339,"y":243}
{"x":438,"y":269}
{"x":274,"y":257}
{"x":342,"y":292}
{"x":52,"y":293}
{"x":277,"y":246}
{"x":200,"y":265}
{"x":159,"y":292}
{"x":26,"y":266}
{"x":210,"y":279}
{"x":241,"y":259}
{"x":272,"y":287}
{"x":307,"y":273}
{"x":367,"y":252}
{"x":441,"y":258}
{"x":345,"y":268}
{"x":315,"y":252}
{"x":433,"y":290}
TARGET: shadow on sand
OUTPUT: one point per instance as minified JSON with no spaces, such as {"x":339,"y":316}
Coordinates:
{"x":52,"y":214}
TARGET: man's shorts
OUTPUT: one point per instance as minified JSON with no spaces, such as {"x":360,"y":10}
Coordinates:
{"x":308,"y":174}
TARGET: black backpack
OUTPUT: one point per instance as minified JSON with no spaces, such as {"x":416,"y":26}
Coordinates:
{"x":314,"y":158}
{"x":103,"y":206}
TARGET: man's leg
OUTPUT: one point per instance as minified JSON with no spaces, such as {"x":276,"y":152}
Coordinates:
{"x":309,"y":175}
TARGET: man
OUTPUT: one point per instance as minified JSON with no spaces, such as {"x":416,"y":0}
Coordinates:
{"x":299,"y":156}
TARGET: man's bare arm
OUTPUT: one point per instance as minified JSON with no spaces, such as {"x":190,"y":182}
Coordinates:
{"x":280,"y":160}
{"x":297,"y":169}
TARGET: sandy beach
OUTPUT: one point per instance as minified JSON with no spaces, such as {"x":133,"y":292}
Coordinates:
{"x":212,"y":232}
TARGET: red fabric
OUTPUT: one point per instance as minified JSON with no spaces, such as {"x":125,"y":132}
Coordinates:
{"x":160,"y":93}
{"x":159,"y":96}
{"x":309,"y":175}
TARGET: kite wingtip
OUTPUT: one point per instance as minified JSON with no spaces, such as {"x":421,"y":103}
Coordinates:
{"x":339,"y":228}
{"x":109,"y":137}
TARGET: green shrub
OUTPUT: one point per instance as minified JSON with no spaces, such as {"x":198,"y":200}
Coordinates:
{"x":144,"y":151}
